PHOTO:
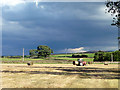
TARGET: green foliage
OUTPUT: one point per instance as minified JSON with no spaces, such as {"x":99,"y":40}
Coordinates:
{"x":61,"y":55}
{"x":99,"y":56}
{"x":33,"y":52}
{"x":116,"y":55}
{"x":44,"y":51}
{"x":79,"y":56}
{"x":27,"y":56}
{"x":106,"y":56}
{"x":11,"y":56}
{"x":91,"y":55}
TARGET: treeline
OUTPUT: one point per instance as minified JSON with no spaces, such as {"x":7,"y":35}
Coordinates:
{"x":107,"y":56}
{"x":79,"y":56}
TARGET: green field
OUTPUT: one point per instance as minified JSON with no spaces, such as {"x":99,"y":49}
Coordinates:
{"x":70,"y":55}
{"x":61,"y":55}
{"x":75,"y":59}
{"x":52,"y":59}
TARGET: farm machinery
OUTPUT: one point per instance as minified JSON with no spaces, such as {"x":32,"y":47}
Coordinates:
{"x":79,"y":62}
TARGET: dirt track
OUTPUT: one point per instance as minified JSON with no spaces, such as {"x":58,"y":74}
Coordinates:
{"x":60,"y":76}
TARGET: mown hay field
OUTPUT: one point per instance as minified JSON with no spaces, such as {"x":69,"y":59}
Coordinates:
{"x":60,"y":76}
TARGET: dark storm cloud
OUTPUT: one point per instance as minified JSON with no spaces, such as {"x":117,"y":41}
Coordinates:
{"x":58,"y":25}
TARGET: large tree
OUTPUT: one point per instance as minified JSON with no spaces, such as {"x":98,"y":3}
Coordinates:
{"x":33,"y":52}
{"x":113,"y":7}
{"x":44,"y":51}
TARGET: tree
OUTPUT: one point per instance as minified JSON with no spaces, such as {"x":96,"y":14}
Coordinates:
{"x":116,"y":55}
{"x":106,"y":56}
{"x":114,"y":9}
{"x":44,"y":51}
{"x":99,"y":56}
{"x":33,"y":52}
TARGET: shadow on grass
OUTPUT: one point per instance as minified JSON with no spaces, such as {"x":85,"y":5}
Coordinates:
{"x":82,"y":72}
{"x":79,"y":69}
{"x":39,"y":61}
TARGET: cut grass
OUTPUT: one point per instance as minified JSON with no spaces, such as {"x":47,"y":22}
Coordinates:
{"x":59,"y":76}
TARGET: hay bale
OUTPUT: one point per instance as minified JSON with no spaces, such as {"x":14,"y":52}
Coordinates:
{"x":30,"y":63}
{"x":73,"y":62}
{"x":76,"y":62}
{"x":105,"y":63}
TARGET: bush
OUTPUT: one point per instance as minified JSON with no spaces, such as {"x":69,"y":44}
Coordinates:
{"x":106,"y":56}
{"x":79,"y":56}
{"x":76,"y":56}
{"x":116,"y":55}
{"x":84,"y":56}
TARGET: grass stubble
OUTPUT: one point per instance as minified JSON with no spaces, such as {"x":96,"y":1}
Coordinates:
{"x":58,"y":76}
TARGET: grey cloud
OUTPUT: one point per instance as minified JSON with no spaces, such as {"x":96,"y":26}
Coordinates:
{"x":58,"y":25}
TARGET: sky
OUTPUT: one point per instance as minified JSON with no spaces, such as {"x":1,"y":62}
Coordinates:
{"x":66,"y":27}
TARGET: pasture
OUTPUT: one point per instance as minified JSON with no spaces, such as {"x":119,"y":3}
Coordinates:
{"x":52,"y":59}
{"x":60,"y":76}
{"x":70,"y":55}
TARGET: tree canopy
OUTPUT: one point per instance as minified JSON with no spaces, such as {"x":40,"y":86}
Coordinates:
{"x":41,"y":51}
{"x":33,"y":52}
{"x":106,"y":56}
{"x":44,"y":51}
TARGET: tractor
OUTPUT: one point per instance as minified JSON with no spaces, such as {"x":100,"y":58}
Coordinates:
{"x":79,"y":62}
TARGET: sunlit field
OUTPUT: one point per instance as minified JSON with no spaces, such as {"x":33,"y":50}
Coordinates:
{"x":57,"y":71}
{"x":60,"y":76}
